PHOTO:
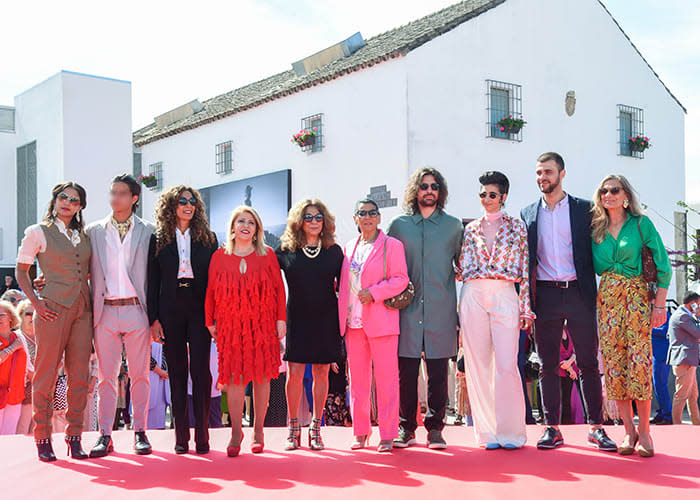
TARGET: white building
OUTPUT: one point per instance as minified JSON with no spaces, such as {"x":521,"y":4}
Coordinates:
{"x":69,"y":127}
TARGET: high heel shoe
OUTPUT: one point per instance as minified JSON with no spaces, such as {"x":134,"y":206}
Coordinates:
{"x":74,"y":448}
{"x":233,"y":450}
{"x":258,"y":444}
{"x":628,"y":450}
{"x":45,"y":450}
{"x":315,"y":441}
{"x":385,"y":445}
{"x":359,"y":442}
{"x":645,"y":452}
{"x":294,"y":438}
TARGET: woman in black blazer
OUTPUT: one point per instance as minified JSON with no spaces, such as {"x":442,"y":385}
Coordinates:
{"x":178,"y":269}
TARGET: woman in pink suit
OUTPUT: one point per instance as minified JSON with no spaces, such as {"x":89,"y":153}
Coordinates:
{"x":374,"y":269}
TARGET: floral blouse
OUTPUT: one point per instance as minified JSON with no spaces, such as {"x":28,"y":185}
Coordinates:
{"x":508,"y":261}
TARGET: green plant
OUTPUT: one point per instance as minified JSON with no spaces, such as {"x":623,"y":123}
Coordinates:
{"x":302,"y":137}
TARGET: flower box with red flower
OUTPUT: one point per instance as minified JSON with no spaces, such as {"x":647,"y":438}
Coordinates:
{"x":510,"y":125}
{"x":305,"y":137}
{"x":639,"y":143}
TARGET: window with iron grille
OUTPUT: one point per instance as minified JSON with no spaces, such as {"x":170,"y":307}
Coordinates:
{"x":311,"y":122}
{"x":503,"y":100}
{"x":7,"y":119}
{"x":157,"y":170}
{"x":26,"y":188}
{"x":224,"y":158}
{"x":630,"y":123}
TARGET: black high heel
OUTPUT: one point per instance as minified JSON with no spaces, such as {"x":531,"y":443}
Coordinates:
{"x":74,"y":448}
{"x":45,"y":450}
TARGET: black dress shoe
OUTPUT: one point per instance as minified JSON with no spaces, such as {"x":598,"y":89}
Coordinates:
{"x":181,"y":449}
{"x":75,"y":449}
{"x":45,"y":450}
{"x":103,"y":446}
{"x":599,"y":439}
{"x":141,"y":444}
{"x":550,"y":439}
{"x":202,"y":449}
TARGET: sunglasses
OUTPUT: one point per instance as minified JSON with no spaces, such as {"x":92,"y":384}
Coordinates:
{"x":29,"y":313}
{"x":434,"y":186}
{"x":184,"y":201}
{"x":310,"y":218}
{"x":367,"y":213}
{"x":73,"y":199}
{"x":491,"y":194}
{"x":614,"y":190}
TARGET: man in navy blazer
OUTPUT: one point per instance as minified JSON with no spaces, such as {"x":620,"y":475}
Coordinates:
{"x":684,"y":336}
{"x":563,"y":289}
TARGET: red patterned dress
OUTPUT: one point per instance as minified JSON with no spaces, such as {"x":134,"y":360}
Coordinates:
{"x":244,"y":300}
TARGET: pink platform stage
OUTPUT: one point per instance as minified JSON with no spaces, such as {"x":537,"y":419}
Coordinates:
{"x":462,"y":471}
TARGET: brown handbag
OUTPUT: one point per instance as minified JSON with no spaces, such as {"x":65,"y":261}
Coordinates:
{"x":403,"y":299}
{"x":648,"y":265}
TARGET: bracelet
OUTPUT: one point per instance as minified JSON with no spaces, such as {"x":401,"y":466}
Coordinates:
{"x":662,"y":308}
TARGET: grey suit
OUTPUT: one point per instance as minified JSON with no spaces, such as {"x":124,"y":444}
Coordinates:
{"x":118,"y":327}
{"x":683,"y":336}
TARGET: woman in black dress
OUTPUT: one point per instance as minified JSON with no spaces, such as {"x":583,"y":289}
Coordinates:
{"x":311,"y":262}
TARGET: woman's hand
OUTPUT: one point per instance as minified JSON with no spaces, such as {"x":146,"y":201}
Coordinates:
{"x":365,"y":296}
{"x":157,"y":332}
{"x":281,"y":329}
{"x":161,"y":373}
{"x":335,"y":367}
{"x":658,"y":317}
{"x":525,"y":322}
{"x":44,"y":311}
{"x":572,"y":374}
{"x":212,"y":331}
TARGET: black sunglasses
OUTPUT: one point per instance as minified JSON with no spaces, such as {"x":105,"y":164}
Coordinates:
{"x":434,"y":186}
{"x":72,"y":199}
{"x":367,"y":213}
{"x":183,"y":201}
{"x":309,"y":217}
{"x":614,"y":190}
{"x":491,"y":194}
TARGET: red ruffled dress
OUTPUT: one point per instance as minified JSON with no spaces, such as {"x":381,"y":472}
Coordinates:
{"x":245,"y":308}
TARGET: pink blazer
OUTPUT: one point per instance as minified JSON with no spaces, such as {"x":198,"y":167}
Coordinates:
{"x":378,"y":320}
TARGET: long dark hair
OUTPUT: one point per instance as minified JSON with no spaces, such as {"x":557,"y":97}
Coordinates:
{"x":77,"y":222}
{"x":166,"y":220}
{"x":410,"y":200}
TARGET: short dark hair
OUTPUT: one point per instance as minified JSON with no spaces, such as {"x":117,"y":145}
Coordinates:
{"x":366,"y":200}
{"x":690,"y":297}
{"x":134,"y":187}
{"x":498,"y":178}
{"x":551,"y":155}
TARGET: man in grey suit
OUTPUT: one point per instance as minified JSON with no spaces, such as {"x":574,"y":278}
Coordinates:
{"x":118,"y":284}
{"x":684,"y":336}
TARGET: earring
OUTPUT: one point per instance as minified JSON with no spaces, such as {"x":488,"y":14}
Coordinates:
{"x":53,"y":213}
{"x":626,"y":203}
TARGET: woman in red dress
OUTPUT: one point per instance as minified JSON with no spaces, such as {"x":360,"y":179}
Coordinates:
{"x":246,"y":314}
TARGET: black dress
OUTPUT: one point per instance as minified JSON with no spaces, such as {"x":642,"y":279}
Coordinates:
{"x":313,"y":334}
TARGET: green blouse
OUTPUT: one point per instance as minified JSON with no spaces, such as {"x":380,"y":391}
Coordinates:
{"x":624,"y":255}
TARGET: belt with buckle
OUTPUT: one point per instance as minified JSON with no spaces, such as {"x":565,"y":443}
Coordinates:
{"x":131,"y":301}
{"x":557,"y":284}
{"x":184,"y":282}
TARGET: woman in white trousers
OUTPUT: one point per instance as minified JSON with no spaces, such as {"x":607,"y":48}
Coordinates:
{"x":494,"y":258}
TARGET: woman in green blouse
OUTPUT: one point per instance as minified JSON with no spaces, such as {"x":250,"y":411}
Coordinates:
{"x":627,"y":310}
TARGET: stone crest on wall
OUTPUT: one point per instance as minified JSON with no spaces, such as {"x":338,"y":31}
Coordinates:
{"x":570,"y":104}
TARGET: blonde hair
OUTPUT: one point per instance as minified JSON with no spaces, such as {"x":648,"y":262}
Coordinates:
{"x":258,"y":237}
{"x":10,"y":309}
{"x":294,"y":236}
{"x":601,"y":221}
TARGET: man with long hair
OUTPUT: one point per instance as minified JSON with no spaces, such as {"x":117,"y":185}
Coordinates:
{"x":432,"y":240}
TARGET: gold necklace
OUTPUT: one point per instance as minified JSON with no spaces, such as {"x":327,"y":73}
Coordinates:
{"x":311,"y":252}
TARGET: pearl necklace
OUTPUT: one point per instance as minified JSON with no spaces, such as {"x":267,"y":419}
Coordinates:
{"x":311,"y":252}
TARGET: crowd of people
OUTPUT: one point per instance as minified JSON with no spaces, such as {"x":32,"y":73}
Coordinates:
{"x":194,"y":319}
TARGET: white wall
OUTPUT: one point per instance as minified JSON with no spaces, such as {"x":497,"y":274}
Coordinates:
{"x":8,"y":203}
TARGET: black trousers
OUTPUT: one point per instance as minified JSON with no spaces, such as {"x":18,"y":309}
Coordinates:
{"x":554,"y":305}
{"x":184,"y":329}
{"x":408,"y":393}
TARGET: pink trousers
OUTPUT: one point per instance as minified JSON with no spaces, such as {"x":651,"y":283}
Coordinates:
{"x":382,"y":352}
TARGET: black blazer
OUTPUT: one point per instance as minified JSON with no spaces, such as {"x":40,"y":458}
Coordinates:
{"x":162,"y":277}
{"x":580,"y":217}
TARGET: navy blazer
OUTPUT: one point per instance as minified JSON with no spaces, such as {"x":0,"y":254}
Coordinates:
{"x":580,"y":217}
{"x":683,"y":338}
{"x":162,"y":277}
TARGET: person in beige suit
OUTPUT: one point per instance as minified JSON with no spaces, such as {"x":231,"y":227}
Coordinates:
{"x":63,"y":312}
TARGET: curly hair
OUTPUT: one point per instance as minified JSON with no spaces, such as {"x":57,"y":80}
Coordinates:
{"x":410,"y":200}
{"x":294,"y":236}
{"x":166,"y":220}
{"x":77,"y":222}
{"x":600,"y":220}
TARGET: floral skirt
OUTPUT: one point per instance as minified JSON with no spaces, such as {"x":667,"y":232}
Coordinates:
{"x":624,"y":326}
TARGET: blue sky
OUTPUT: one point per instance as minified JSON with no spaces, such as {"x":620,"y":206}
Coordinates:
{"x":175,"y":51}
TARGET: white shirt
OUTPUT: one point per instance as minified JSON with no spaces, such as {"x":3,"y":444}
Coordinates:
{"x":184,"y":245}
{"x":358,"y":259}
{"x":555,"y":254}
{"x":34,"y":241}
{"x":117,"y":255}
